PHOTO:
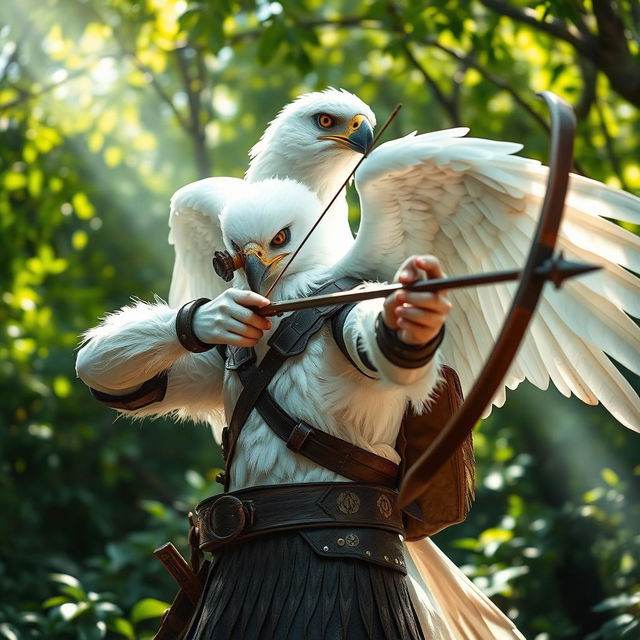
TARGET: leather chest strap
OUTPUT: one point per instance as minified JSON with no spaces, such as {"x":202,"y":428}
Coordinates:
{"x":260,"y":375}
{"x":289,"y":339}
{"x":328,"y":451}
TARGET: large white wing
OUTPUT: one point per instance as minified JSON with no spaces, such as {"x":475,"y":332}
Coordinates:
{"x":475,"y":206}
{"x":195,"y":233}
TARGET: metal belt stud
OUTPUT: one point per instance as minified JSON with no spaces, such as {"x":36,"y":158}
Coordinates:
{"x":229,"y":517}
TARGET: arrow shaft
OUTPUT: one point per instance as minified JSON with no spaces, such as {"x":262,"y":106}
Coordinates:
{"x":384,"y":290}
{"x":556,"y":269}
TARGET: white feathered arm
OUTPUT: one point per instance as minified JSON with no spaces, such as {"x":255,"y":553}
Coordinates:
{"x":137,"y":342}
{"x":475,"y":205}
{"x":195,"y":234}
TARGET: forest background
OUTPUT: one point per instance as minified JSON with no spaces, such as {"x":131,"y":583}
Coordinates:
{"x":106,"y":108}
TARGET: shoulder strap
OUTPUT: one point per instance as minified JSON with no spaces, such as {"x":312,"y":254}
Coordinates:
{"x":260,"y":376}
{"x":295,"y":331}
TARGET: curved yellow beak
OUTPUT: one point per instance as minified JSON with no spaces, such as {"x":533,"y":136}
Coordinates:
{"x":258,"y":267}
{"x":358,"y":134}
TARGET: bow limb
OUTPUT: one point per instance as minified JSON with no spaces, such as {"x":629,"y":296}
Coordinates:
{"x":522,"y":308}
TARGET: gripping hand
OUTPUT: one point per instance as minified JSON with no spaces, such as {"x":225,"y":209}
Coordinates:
{"x":229,"y":319}
{"x":417,"y":317}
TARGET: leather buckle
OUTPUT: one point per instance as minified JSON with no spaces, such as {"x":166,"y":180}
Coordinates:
{"x":229,"y":517}
{"x":298,"y":436}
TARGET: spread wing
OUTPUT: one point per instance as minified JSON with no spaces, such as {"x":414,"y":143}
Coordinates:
{"x":195,"y":233}
{"x":475,"y":205}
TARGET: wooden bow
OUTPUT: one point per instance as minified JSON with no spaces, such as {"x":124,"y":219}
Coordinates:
{"x":520,"y":314}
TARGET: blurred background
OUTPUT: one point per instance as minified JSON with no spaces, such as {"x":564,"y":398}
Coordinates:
{"x":106,"y":108}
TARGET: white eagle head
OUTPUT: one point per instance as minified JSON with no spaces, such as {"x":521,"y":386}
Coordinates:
{"x":267,"y":223}
{"x":316,"y":140}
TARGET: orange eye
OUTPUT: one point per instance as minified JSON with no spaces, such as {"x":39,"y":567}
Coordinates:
{"x":281,"y":238}
{"x":325,"y":120}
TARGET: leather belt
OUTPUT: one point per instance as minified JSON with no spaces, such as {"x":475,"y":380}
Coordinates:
{"x":247,"y":513}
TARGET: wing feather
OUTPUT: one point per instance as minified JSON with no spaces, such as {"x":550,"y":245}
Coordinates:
{"x":195,"y":234}
{"x":475,"y":205}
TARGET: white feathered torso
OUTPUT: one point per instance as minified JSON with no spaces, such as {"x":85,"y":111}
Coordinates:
{"x":321,"y":387}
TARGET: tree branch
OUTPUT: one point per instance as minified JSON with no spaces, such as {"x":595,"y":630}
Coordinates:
{"x":589,"y":78}
{"x":126,"y":52}
{"x":31,"y":95}
{"x":608,"y":50}
{"x":611,"y":28}
{"x":447,"y":104}
{"x":13,"y":58}
{"x":611,"y":152}
{"x":498,"y":82}
{"x":555,"y":27}
{"x":193,"y":126}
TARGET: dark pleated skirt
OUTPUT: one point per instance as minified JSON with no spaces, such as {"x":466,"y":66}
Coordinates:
{"x":277,"y":588}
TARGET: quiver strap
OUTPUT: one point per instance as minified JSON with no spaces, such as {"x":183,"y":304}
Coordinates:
{"x":448,"y":496}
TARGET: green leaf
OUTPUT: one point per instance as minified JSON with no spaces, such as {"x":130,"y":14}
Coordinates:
{"x":466,"y":543}
{"x":83,"y":208}
{"x":148,"y":608}
{"x":271,"y":39}
{"x":122,"y":627}
{"x":65,"y":578}
{"x":54,"y":602}
{"x":71,"y":610}
{"x":14,"y":181}
{"x":75,"y":592}
{"x":610,"y":477}
{"x":154,"y":508}
{"x":61,"y":386}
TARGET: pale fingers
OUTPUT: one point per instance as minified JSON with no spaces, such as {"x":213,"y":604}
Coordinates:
{"x":389,"y":307}
{"x":249,"y":317}
{"x":415,"y":334}
{"x":237,"y":340}
{"x":247,"y":298}
{"x":245,"y":330}
{"x":418,"y":267}
{"x":424,"y":300}
{"x":236,"y":304}
{"x":420,"y":316}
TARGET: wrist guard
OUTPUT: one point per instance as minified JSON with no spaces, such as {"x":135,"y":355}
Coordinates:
{"x":184,"y":327}
{"x":407,"y":356}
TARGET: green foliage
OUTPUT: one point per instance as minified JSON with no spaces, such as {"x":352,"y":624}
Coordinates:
{"x":108,"y":107}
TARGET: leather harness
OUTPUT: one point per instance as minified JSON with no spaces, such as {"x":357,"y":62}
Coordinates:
{"x":290,"y":339}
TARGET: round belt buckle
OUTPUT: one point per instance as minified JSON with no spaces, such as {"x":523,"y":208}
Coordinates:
{"x":227,"y":518}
